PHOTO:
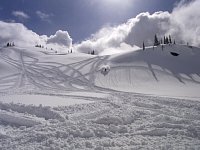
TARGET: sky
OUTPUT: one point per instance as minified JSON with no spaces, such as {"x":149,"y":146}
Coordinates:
{"x":80,"y":18}
{"x":106,"y":26}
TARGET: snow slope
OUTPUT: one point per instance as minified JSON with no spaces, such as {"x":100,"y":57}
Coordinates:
{"x":135,"y":100}
{"x":156,"y":72}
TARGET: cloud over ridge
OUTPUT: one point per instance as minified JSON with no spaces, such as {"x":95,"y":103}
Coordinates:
{"x":182,"y":24}
{"x":18,"y":33}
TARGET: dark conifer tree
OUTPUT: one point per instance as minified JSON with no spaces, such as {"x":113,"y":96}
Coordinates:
{"x":170,"y":40}
{"x":164,"y":40}
{"x":156,"y":42}
{"x":174,"y":42}
{"x":92,"y":52}
{"x":167,"y":40}
{"x":143,"y":46}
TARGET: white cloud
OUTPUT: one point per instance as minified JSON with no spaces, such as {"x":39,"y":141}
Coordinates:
{"x":20,"y":14}
{"x":107,"y":38}
{"x":43,"y":16}
{"x":132,"y":34}
{"x":183,"y":24}
{"x":145,"y":26}
{"x":61,"y":38}
{"x":18,"y":33}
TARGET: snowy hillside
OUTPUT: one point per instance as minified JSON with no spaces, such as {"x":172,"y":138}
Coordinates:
{"x":156,"y":71}
{"x":136,"y":100}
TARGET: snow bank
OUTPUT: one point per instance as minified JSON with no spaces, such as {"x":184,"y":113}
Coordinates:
{"x":108,"y":120}
{"x":17,"y":119}
{"x":155,"y":71}
{"x":39,"y":111}
{"x":44,"y":100}
{"x":105,"y":69}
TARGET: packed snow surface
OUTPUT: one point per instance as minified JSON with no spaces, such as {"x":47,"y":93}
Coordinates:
{"x":45,"y":100}
{"x":136,"y":100}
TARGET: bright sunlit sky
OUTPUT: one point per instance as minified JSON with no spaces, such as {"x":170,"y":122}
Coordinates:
{"x":80,"y":18}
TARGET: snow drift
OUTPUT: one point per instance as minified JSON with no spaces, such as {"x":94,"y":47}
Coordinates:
{"x":155,"y":71}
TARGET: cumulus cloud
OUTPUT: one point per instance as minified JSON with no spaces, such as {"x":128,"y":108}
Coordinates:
{"x":183,"y":24}
{"x":43,"y":16}
{"x":127,"y":36}
{"x":132,"y":34}
{"x":145,"y":26}
{"x":106,"y":40}
{"x":18,"y":33}
{"x":61,"y":38}
{"x":20,"y":15}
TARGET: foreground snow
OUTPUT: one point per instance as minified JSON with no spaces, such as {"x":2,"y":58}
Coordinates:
{"x":70,"y":102}
{"x":121,"y":121}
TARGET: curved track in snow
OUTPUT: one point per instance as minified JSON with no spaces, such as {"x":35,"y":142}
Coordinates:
{"x":49,"y":75}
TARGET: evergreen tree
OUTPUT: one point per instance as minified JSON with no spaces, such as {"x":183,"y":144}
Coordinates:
{"x":164,"y":40}
{"x":161,"y":41}
{"x":8,"y":44}
{"x":170,"y":40}
{"x":156,"y":42}
{"x":167,"y":40}
{"x":143,"y":46}
{"x":92,"y":53}
{"x":174,"y":42}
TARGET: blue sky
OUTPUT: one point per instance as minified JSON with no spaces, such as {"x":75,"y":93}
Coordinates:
{"x":80,"y":18}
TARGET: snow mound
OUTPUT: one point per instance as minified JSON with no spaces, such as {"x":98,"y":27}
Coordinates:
{"x":44,"y":100}
{"x":16,"y":119}
{"x":39,"y":111}
{"x":105,"y":69}
{"x":155,"y":71}
{"x":108,"y":120}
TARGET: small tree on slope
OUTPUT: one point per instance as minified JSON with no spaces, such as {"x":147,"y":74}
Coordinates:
{"x":143,"y":46}
{"x":156,"y":42}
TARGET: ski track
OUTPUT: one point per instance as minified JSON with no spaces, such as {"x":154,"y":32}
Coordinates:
{"x":120,"y":121}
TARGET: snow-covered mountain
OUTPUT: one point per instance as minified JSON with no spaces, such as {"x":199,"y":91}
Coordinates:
{"x":140,"y":99}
